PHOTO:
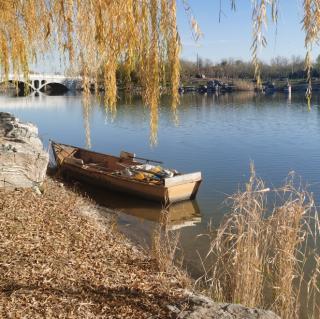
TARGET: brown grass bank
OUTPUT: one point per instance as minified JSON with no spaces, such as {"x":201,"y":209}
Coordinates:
{"x":58,"y":260}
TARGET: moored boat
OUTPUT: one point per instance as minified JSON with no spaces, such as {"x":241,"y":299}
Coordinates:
{"x":126,"y":173}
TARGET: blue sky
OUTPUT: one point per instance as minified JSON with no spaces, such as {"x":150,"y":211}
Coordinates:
{"x":231,"y":38}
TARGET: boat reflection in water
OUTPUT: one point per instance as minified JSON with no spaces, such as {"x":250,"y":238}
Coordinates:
{"x":139,"y":218}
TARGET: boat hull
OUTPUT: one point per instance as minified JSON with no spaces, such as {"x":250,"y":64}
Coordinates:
{"x":150,"y":192}
{"x":174,"y":190}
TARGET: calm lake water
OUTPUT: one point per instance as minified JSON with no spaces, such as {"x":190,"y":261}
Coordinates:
{"x":217,"y":135}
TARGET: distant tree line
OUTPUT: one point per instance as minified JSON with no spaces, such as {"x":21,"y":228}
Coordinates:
{"x":278,"y":68}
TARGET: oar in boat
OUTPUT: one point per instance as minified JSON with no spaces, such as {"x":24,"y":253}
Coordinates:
{"x":125,"y":154}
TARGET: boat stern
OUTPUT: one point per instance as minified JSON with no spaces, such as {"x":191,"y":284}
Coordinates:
{"x":182,"y":187}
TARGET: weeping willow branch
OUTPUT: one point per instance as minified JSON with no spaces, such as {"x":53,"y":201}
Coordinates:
{"x":259,"y":25}
{"x":311,"y":26}
{"x":96,"y":37}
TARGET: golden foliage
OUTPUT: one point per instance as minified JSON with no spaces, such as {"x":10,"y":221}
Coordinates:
{"x":97,"y":35}
{"x":140,"y":35}
{"x":259,"y":23}
{"x":22,"y":25}
{"x":311,"y":26}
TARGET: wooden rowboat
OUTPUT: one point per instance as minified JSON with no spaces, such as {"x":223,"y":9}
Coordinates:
{"x":126,"y":174}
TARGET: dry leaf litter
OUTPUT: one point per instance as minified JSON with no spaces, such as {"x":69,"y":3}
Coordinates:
{"x":59,"y":260}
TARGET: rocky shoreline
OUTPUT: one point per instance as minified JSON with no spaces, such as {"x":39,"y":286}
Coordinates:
{"x":23,"y":161}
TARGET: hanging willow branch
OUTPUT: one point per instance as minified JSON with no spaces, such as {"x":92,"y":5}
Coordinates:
{"x":310,"y":24}
{"x":97,"y":37}
{"x":259,"y":24}
{"x":195,"y":28}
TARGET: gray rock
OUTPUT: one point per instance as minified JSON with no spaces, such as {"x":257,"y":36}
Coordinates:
{"x":204,"y":308}
{"x":23,"y":162}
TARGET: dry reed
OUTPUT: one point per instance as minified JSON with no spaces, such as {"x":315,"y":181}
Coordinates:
{"x":268,"y":258}
{"x":167,"y":252}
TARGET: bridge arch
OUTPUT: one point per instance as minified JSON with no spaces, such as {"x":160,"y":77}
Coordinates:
{"x":53,"y":87}
{"x":37,"y":82}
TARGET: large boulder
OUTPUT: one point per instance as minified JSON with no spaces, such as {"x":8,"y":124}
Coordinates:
{"x":202,"y":307}
{"x":23,"y":162}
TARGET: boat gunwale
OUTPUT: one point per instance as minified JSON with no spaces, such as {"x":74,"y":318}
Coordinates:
{"x":117,"y":177}
{"x":83,"y":149}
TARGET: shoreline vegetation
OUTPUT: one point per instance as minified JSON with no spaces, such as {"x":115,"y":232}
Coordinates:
{"x":265,"y":253}
{"x":203,"y":85}
{"x":62,"y":254}
{"x":230,"y":75}
{"x":59,"y":259}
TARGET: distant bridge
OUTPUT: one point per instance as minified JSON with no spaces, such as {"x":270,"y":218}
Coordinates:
{"x":44,"y":82}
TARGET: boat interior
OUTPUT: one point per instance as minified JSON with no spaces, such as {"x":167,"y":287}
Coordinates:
{"x":105,"y":162}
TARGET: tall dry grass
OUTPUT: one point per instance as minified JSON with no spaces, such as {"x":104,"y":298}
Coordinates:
{"x":166,"y":251}
{"x":267,"y":257}
{"x":165,"y":244}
